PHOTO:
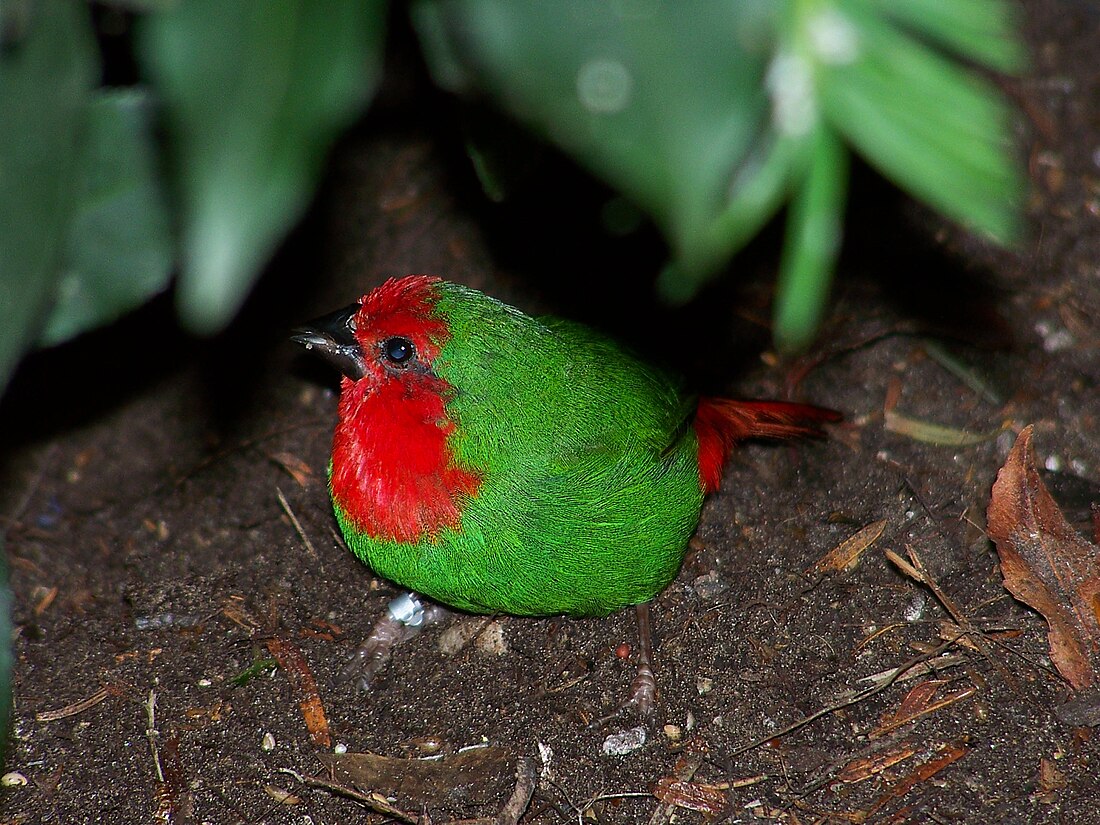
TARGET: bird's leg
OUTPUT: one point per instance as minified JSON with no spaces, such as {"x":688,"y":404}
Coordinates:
{"x":643,"y":690}
{"x":406,"y":615}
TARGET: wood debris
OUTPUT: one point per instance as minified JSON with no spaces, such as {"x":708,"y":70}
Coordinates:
{"x":921,"y":700}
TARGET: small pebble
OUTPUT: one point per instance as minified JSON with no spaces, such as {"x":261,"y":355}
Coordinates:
{"x":627,"y":741}
{"x":268,"y":742}
{"x":13,"y":779}
{"x":491,"y":641}
{"x":709,"y":586}
{"x":204,"y":682}
{"x":673,"y":733}
{"x":458,"y":634}
{"x":340,"y":749}
{"x":704,"y":685}
{"x":914,"y":609}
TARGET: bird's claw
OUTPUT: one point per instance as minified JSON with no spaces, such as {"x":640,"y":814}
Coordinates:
{"x":405,"y":617}
{"x":641,"y":701}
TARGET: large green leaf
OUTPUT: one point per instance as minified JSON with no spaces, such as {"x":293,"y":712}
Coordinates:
{"x":662,"y":100}
{"x":980,"y":30}
{"x":254,"y":95}
{"x":47,"y":72}
{"x":711,"y":115}
{"x":812,"y":244}
{"x":928,"y":123}
{"x":119,"y":249}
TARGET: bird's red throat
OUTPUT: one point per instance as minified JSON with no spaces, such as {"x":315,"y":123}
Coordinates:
{"x":394,"y":473}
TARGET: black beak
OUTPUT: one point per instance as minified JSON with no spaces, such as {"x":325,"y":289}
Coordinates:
{"x":332,"y":337}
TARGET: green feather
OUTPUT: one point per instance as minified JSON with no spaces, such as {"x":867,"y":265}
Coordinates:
{"x":590,"y":480}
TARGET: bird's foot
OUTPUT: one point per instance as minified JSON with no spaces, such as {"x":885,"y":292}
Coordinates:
{"x":643,"y":690}
{"x":641,"y":701}
{"x":406,"y":615}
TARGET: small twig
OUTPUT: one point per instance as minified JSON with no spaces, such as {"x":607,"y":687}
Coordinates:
{"x":151,"y":732}
{"x":373,"y":801}
{"x":75,"y":707}
{"x":518,"y":803}
{"x":853,"y":700}
{"x":297,"y":524}
{"x":918,"y":573}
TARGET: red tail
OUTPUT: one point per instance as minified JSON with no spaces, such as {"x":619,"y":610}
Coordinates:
{"x":722,"y":422}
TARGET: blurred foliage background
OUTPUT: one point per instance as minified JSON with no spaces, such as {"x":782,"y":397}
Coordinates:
{"x":709,"y":116}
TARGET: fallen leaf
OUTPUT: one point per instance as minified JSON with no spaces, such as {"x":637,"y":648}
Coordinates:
{"x":929,"y":432}
{"x":1046,"y":564}
{"x":920,"y":701}
{"x":941,"y":757}
{"x":1050,"y":778}
{"x":695,"y":796}
{"x":865,"y":767}
{"x":293,"y":663}
{"x":846,"y":555}
{"x":294,"y":467}
{"x":477,"y":775}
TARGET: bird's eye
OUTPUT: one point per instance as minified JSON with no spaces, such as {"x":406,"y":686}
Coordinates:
{"x":398,"y":351}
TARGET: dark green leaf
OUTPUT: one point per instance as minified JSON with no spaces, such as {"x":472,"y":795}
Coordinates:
{"x":119,"y":250}
{"x":662,"y":100}
{"x":258,"y":667}
{"x":814,"y":223}
{"x":47,"y":71}
{"x":980,"y":30}
{"x":930,"y":125}
{"x":702,"y":112}
{"x":255,"y":94}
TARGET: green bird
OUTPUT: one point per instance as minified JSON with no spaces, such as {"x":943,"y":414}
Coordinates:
{"x":500,"y":463}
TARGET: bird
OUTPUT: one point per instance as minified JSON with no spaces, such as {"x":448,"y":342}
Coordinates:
{"x":500,"y":463}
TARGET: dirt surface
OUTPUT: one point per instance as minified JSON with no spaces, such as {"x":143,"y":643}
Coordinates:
{"x":154,"y":566}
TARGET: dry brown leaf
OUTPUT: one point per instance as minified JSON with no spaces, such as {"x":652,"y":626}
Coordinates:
{"x":1050,"y":778}
{"x":295,"y":467}
{"x":920,"y":701}
{"x":865,"y":767}
{"x":1046,"y":564}
{"x":846,"y":555}
{"x":304,"y":686}
{"x":695,"y":796}
{"x":939,"y":759}
{"x":477,"y":775}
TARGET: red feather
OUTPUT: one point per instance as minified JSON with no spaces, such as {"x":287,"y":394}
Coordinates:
{"x":722,"y":422}
{"x":394,"y":473}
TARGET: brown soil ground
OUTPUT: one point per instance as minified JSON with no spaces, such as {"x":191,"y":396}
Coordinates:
{"x":151,"y":557}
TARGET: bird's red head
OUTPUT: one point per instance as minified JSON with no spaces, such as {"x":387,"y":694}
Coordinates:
{"x":394,"y":473}
{"x":398,"y":330}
